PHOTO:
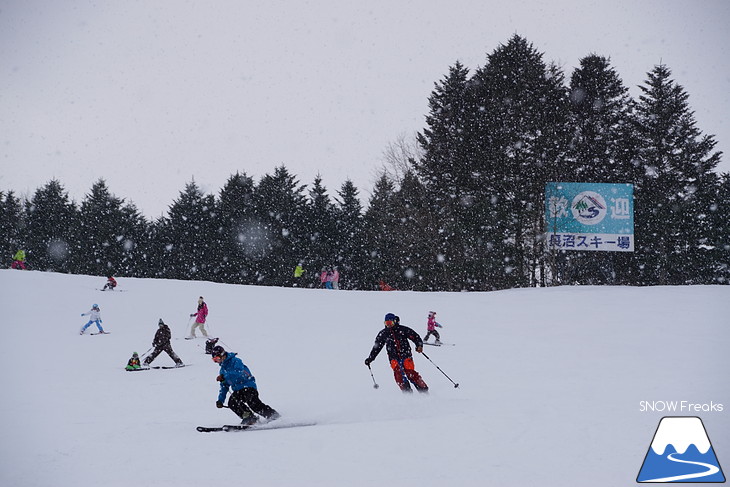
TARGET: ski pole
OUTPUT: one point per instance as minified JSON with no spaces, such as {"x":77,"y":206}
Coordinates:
{"x":148,"y":351}
{"x":375,"y":384}
{"x":187,"y":327}
{"x":455,"y":384}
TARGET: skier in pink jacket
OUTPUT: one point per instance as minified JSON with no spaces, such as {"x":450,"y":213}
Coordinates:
{"x":200,"y":315}
{"x":431,"y":326}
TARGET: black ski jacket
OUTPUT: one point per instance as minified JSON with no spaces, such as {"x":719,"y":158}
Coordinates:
{"x":162,"y":337}
{"x":395,"y":339}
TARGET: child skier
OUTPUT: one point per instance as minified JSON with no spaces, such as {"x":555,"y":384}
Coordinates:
{"x":134,"y":363}
{"x":94,"y":317}
{"x":111,"y":283}
{"x":209,"y":344}
{"x":431,"y":326}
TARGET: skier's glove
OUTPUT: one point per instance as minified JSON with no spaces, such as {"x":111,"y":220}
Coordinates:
{"x":419,"y":349}
{"x":218,"y":404}
{"x":220,"y":378}
{"x":368,"y":361}
{"x":192,"y":315}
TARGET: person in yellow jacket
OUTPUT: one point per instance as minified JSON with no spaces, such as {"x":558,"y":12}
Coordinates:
{"x":19,"y":260}
{"x":298,"y":273}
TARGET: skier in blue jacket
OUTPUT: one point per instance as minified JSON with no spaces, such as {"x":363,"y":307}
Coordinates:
{"x":244,"y":401}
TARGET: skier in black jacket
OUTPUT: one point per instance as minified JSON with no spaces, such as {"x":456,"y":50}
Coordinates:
{"x":395,"y":339}
{"x":161,"y":342}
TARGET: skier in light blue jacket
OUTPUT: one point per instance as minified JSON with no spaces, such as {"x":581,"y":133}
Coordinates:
{"x":94,"y":317}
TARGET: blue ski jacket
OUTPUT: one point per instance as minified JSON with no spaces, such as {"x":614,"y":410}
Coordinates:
{"x":235,"y":374}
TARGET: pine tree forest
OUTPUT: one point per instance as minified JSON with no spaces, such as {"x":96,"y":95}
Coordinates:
{"x":460,"y":207}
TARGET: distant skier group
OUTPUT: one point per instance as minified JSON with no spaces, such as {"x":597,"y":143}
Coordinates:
{"x":329,"y":277}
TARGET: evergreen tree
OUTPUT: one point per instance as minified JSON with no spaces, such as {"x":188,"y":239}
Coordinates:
{"x":526,"y":117}
{"x":186,"y":247}
{"x":322,"y":249}
{"x":236,"y":227}
{"x":134,"y":239}
{"x":102,"y":230}
{"x":52,"y":230}
{"x":676,"y":189}
{"x":418,"y":245}
{"x":719,"y":222}
{"x":449,"y":168}
{"x":382,"y":237}
{"x":602,"y":150}
{"x":349,"y":223}
{"x":281,"y":209}
{"x":11,"y":225}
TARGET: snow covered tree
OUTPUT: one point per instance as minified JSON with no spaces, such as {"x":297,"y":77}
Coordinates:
{"x":11,"y":225}
{"x":526,"y":116}
{"x":319,"y":225}
{"x":492,"y":143}
{"x":382,"y":237}
{"x":602,"y":149}
{"x":108,"y":233}
{"x":52,"y":232}
{"x":352,"y":258}
{"x":718,"y":245}
{"x":280,"y":207}
{"x":184,"y":244}
{"x":447,"y":170}
{"x":235,"y":230}
{"x":676,"y":189}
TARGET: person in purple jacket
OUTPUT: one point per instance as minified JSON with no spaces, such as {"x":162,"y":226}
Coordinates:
{"x":244,"y":400}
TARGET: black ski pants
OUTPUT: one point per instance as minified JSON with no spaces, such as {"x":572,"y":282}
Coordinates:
{"x":244,"y":400}
{"x":162,"y":348}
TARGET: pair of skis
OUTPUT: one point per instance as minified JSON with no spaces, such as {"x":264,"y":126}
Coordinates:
{"x":253,"y":427}
{"x":439,"y":344}
{"x":159,"y":367}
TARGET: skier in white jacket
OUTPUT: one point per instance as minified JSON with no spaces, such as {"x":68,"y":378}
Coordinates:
{"x":94,"y":315}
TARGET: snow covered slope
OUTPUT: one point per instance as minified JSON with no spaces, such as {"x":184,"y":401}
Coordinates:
{"x":551,"y":382}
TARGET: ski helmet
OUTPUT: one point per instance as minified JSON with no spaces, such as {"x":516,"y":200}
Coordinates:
{"x":218,"y":351}
{"x":94,"y":305}
{"x":390,"y":317}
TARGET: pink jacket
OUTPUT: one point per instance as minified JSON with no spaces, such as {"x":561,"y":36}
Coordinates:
{"x":432,"y":323}
{"x":201,"y":313}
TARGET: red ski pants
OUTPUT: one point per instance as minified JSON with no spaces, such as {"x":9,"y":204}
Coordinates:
{"x":404,"y":371}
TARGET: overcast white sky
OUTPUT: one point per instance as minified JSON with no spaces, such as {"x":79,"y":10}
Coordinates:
{"x":150,"y":94}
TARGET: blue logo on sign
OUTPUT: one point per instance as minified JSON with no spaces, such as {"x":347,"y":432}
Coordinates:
{"x":681,"y":452}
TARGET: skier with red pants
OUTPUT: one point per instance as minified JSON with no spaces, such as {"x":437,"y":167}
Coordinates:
{"x":395,"y":339}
